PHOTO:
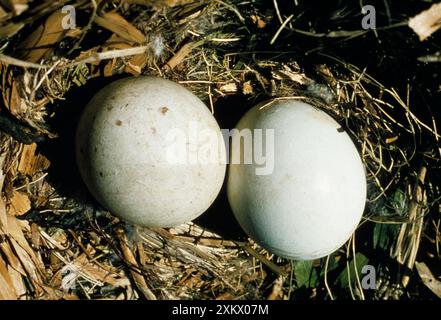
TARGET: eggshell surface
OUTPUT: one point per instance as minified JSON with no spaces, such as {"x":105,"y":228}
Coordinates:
{"x":125,"y":145}
{"x":312,"y":201}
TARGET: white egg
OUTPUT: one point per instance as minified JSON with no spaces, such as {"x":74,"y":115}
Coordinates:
{"x":145,"y":152}
{"x":306,"y":199}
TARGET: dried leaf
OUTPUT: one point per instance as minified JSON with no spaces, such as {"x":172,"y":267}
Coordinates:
{"x":7,"y":290}
{"x":12,"y":259}
{"x":38,"y":45}
{"x":428,"y":278}
{"x":17,"y":281}
{"x":26,"y":261}
{"x":19,"y":203}
{"x":121,"y":27}
{"x":32,"y":162}
{"x":258,"y":21}
{"x":96,"y":272}
{"x":426,"y":22}
{"x":20,"y":244}
{"x":3,"y":217}
{"x":3,"y":214}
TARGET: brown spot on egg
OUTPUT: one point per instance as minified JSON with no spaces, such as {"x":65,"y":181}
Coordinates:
{"x":163,"y":110}
{"x":153,"y":130}
{"x":118,"y":122}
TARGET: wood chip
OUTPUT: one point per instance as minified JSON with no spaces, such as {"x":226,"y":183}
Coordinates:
{"x":276,"y":292}
{"x":3,"y":217}
{"x":97,"y":272}
{"x":3,"y":214}
{"x":7,"y":290}
{"x":31,"y":162}
{"x":27,"y":262}
{"x":135,"y":63}
{"x":185,"y":50}
{"x":11,"y":258}
{"x":11,"y":94}
{"x":17,"y":281}
{"x":19,"y":203}
{"x":225,"y":296}
{"x":35,"y":236}
{"x":21,"y":246}
{"x":426,"y":22}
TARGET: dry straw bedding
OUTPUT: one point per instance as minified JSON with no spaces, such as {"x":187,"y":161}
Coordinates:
{"x":61,"y":245}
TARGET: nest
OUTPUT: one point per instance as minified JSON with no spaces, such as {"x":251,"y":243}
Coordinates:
{"x":57,"y":243}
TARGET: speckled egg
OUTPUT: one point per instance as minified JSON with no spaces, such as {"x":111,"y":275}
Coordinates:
{"x":150,"y":151}
{"x":307,"y":198}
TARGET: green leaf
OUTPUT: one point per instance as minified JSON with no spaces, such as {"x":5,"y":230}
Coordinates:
{"x":343,"y":279}
{"x":384,"y":236}
{"x":399,"y":202}
{"x":306,"y":274}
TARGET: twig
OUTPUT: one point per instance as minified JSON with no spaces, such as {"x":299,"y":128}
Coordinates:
{"x":276,"y":7}
{"x":262,"y":259}
{"x":111,"y":54}
{"x":357,"y":277}
{"x":21,"y":63}
{"x":273,"y":40}
{"x":229,"y":6}
{"x":326,"y":279}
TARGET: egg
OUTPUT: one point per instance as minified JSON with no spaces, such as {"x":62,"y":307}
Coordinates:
{"x":306,"y":199}
{"x":150,"y":151}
